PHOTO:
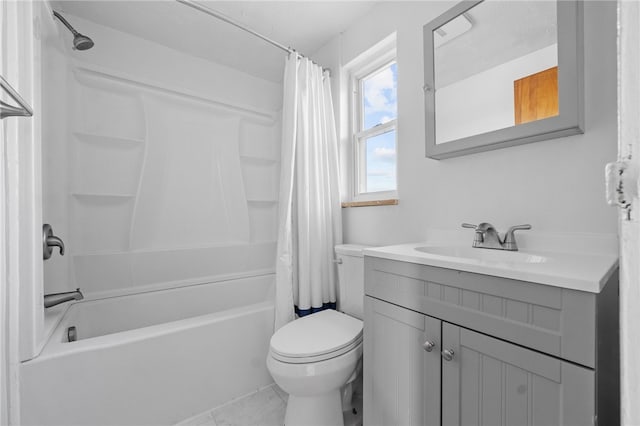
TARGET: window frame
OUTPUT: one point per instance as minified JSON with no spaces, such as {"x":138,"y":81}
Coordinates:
{"x":368,"y":64}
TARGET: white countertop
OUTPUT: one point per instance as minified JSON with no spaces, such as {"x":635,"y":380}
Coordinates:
{"x":584,"y":271}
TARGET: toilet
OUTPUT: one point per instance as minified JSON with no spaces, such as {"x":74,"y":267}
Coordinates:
{"x":314,"y":357}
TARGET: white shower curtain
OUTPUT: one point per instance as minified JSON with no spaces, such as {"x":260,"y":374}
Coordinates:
{"x":309,"y":219}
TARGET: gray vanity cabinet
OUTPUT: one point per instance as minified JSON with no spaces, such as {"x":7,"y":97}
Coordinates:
{"x":492,"y":382}
{"x":523,"y":353}
{"x":403,"y":380}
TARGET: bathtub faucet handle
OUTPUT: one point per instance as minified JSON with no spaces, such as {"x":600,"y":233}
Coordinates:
{"x":49,"y":241}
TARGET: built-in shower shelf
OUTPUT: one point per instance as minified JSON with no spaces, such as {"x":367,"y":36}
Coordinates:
{"x":100,"y":195}
{"x":259,"y":160}
{"x":105,"y":139}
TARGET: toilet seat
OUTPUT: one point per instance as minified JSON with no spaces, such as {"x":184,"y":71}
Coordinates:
{"x":317,"y":337}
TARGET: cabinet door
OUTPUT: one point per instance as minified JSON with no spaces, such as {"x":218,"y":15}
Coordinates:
{"x":401,"y":378}
{"x":491,"y":382}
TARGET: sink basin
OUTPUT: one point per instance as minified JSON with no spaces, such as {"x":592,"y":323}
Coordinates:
{"x":482,"y":255}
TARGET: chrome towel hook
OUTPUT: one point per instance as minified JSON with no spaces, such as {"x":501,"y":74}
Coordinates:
{"x":6,"y":110}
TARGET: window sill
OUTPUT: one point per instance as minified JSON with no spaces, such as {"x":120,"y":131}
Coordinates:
{"x":391,"y":202}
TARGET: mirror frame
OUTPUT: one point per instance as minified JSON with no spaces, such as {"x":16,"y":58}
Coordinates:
{"x":569,"y":121}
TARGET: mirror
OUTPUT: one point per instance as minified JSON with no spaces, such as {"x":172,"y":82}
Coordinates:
{"x":499,"y":74}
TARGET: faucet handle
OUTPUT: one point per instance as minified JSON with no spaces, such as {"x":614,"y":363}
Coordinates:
{"x":478,"y":237}
{"x":518,"y":228}
{"x":49,"y":241}
{"x":510,"y":238}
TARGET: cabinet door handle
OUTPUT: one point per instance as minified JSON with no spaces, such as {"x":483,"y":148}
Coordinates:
{"x":447,"y":354}
{"x":428,"y":346}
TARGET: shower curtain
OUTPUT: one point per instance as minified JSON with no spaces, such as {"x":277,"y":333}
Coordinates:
{"x":309,"y":216}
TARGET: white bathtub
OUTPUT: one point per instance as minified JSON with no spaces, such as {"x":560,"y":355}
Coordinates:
{"x":152,"y":359}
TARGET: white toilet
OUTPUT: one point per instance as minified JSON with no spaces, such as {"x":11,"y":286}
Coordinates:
{"x":313,"y":357}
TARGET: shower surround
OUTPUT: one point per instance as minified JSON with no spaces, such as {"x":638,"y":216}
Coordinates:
{"x":160,"y":172}
{"x":172,"y":167}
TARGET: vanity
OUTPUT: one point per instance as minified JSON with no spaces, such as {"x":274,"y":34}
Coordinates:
{"x":456,"y":335}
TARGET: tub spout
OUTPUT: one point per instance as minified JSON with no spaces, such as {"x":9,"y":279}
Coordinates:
{"x":58,"y":298}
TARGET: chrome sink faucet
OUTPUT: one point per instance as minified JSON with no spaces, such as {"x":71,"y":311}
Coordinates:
{"x":58,"y":298}
{"x":486,"y":236}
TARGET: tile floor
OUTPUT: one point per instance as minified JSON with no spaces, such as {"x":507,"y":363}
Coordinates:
{"x":265,"y":407}
{"x":262,"y":408}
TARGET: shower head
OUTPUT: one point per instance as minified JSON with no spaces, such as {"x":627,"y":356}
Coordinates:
{"x":80,"y":41}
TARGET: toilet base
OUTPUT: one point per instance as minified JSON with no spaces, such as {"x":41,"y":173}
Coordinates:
{"x":353,"y":416}
{"x":317,"y":410}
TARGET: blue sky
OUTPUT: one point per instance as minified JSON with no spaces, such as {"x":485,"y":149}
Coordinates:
{"x":380,"y":106}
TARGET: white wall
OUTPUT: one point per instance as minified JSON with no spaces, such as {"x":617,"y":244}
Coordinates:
{"x":163,"y":168}
{"x":485,"y":101}
{"x":555,"y":185}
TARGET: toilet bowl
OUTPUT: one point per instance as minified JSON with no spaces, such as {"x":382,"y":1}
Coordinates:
{"x":313,"y":357}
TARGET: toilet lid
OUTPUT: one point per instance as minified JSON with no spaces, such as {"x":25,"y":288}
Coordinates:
{"x":316,"y":337}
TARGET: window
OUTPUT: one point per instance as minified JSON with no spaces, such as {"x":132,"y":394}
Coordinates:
{"x":375,"y":134}
{"x":373,"y":126}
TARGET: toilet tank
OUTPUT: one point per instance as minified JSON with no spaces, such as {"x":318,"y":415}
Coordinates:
{"x":350,"y":279}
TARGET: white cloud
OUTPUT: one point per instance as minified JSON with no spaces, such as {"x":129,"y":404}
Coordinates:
{"x":384,"y":154}
{"x":379,"y":92}
{"x":379,"y":173}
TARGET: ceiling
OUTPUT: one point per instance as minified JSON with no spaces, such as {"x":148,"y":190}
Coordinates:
{"x":303,"y":25}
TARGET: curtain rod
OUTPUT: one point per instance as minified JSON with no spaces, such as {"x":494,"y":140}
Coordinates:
{"x":233,"y":22}
{"x":225,"y":18}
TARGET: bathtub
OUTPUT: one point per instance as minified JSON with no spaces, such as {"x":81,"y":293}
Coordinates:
{"x":152,"y":359}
